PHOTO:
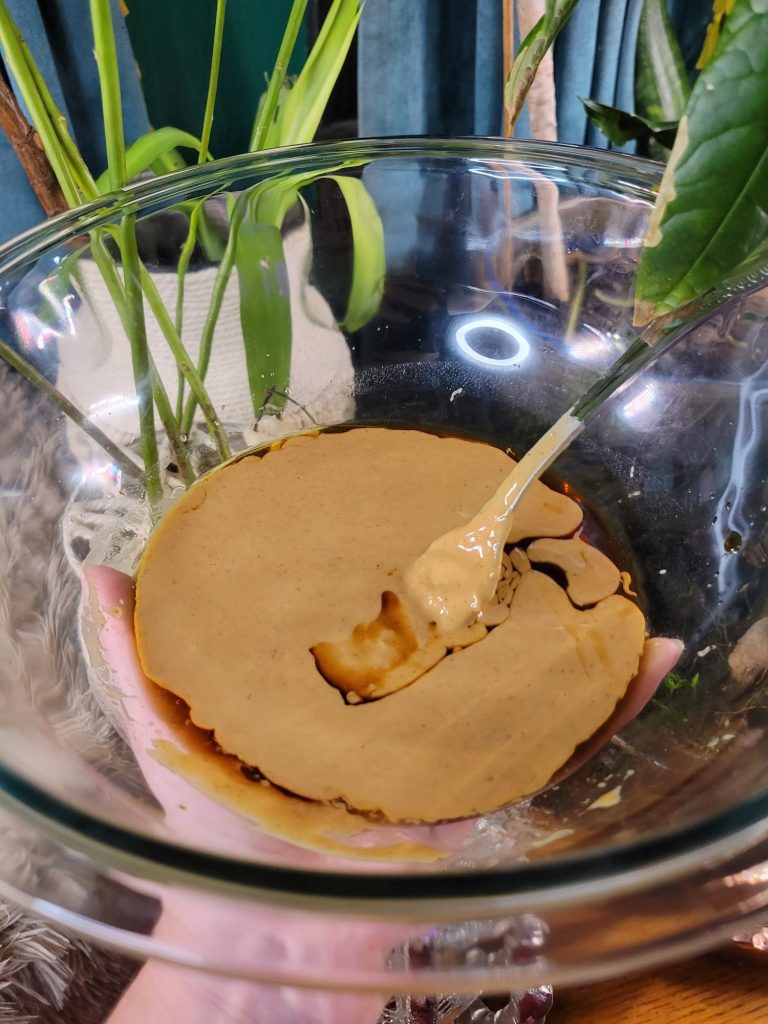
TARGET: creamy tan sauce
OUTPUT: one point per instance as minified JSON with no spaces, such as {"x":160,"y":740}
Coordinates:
{"x":456,"y":577}
{"x":269,"y":557}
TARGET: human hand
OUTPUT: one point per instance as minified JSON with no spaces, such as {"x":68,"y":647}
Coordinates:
{"x":169,"y":994}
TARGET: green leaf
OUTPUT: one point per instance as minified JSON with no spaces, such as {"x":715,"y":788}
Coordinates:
{"x":265,"y":313}
{"x":368,"y":257}
{"x":149,"y":149}
{"x":271,"y":102}
{"x":662,"y":88}
{"x":620,"y":126}
{"x":302,"y":106}
{"x":265,"y":308}
{"x":532,"y":51}
{"x":711,"y":213}
{"x":168,"y":163}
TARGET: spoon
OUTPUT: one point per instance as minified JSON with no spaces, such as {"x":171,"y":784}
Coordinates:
{"x":447,"y":589}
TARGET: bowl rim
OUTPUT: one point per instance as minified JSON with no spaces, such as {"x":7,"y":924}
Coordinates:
{"x":648,"y":860}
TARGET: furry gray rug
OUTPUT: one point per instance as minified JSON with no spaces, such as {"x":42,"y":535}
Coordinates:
{"x":46,"y":977}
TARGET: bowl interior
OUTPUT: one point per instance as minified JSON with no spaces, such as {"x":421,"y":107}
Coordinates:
{"x":506,"y":278}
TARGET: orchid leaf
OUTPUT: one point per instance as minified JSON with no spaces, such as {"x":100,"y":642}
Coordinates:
{"x":620,"y":126}
{"x":711,"y":213}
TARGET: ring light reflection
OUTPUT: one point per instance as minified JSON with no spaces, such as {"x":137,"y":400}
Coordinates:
{"x":469,"y":338}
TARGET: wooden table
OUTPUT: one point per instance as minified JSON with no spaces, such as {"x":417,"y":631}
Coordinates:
{"x":717,"y":989}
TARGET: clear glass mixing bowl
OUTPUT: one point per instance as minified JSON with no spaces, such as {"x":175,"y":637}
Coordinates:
{"x":505,"y":278}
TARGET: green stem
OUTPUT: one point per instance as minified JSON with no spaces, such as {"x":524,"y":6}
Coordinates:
{"x":185,"y":364}
{"x":169,"y":421}
{"x":205,"y":139}
{"x":109,"y":80}
{"x":213,"y":80}
{"x":214,"y":308}
{"x":133,"y":305}
{"x":126,"y":464}
{"x":614,"y":300}
{"x":137,"y":336}
{"x":183,"y":265}
{"x":81,"y":175}
{"x":577,"y":303}
{"x":131,"y":312}
{"x":16,"y":60}
{"x":277,"y":79}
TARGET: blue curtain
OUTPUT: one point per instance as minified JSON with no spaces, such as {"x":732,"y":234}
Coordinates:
{"x":434,"y":67}
{"x":59,"y":35}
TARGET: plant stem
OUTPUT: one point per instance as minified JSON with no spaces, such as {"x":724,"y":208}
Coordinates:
{"x":577,"y":301}
{"x":181,"y":276}
{"x":205,"y":139}
{"x":276,"y":80}
{"x":28,"y":148}
{"x":213,"y":80}
{"x":132,"y":319}
{"x":133,"y":307}
{"x":16,"y":60}
{"x":137,"y":336}
{"x":41,"y":383}
{"x":169,"y":421}
{"x":105,"y":51}
{"x":79,"y":171}
{"x":185,"y":363}
{"x":214,"y":308}
{"x":75,"y":182}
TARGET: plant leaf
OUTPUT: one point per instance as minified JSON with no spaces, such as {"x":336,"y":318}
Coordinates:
{"x":265,"y":308}
{"x":662,"y":88}
{"x":271,"y":102}
{"x":620,"y":126}
{"x":149,"y":149}
{"x":265,"y":313}
{"x":712,"y":209}
{"x":369,"y":264}
{"x":301,"y":108}
{"x":532,"y":51}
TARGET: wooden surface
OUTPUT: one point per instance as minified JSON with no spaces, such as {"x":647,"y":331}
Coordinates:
{"x":717,"y":989}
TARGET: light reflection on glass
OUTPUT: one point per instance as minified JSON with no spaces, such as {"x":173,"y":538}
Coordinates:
{"x":469,"y":338}
{"x":112,"y":405}
{"x":100,"y":472}
{"x":32,"y":332}
{"x":641,"y":403}
{"x":593,"y":348}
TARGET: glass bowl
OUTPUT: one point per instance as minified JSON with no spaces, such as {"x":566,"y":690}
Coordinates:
{"x":496,"y":288}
